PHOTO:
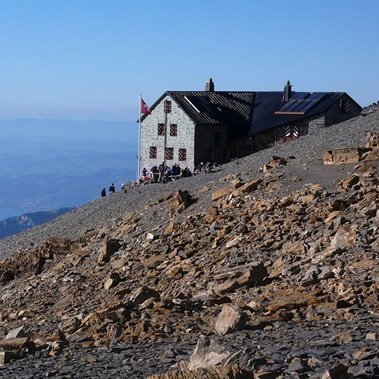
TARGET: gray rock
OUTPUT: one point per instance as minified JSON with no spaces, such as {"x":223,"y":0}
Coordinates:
{"x":207,"y":354}
{"x":229,"y":320}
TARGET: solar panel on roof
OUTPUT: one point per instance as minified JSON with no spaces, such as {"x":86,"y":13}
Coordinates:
{"x":302,"y":105}
{"x":284,"y":107}
{"x":308,"y":106}
{"x":300,"y":95}
{"x":287,"y":106}
{"x":296,"y":106}
{"x":301,"y":102}
{"x":316,"y":96}
{"x":293,"y":106}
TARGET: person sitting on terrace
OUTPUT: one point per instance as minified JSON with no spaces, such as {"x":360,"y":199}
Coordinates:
{"x":167,"y":174}
{"x":154,"y":172}
{"x":176,"y":170}
{"x":208,"y":167}
{"x":145,"y":178}
{"x":161,"y":170}
{"x":186,"y":172}
{"x":199,"y":168}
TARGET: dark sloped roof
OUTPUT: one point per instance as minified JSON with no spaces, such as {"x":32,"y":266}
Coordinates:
{"x":231,"y":109}
{"x":268,"y":108}
{"x":249,"y":112}
{"x":213,"y":108}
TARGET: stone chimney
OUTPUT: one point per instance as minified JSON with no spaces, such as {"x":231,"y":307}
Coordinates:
{"x":210,"y":86}
{"x":287,"y":92}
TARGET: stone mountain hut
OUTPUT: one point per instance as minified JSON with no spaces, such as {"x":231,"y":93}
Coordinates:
{"x":189,"y":127}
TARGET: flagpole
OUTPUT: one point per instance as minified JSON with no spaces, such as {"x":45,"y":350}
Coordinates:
{"x":139,"y":138}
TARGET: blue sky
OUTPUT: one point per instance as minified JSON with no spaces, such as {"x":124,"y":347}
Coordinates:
{"x":90,"y":59}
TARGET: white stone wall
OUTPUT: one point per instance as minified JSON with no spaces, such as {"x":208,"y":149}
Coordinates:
{"x":149,"y":137}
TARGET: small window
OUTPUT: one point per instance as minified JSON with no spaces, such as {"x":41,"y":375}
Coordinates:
{"x":182,"y":154}
{"x":169,"y":153}
{"x":167,"y":106}
{"x":291,"y":132}
{"x":153,"y":152}
{"x":173,"y":129}
{"x":160,"y":129}
{"x":345,"y":106}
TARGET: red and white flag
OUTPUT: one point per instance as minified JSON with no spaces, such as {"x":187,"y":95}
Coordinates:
{"x":145,"y":110}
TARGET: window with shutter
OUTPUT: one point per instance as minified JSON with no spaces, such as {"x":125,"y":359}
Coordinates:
{"x":153,"y":152}
{"x":173,"y":129}
{"x":160,"y":129}
{"x":169,"y":153}
{"x":182,"y":154}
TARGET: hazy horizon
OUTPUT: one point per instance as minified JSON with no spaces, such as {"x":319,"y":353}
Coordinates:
{"x":50,"y":164}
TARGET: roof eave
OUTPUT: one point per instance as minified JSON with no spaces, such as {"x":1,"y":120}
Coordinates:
{"x":291,"y":113}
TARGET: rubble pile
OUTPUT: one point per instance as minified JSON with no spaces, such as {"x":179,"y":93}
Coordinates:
{"x":254,"y":267}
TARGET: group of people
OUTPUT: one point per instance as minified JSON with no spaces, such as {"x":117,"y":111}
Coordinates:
{"x":164,"y":173}
{"x":112,"y":189}
{"x":207,"y":167}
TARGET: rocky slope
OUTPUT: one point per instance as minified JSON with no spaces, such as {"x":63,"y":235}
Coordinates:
{"x":267,"y":268}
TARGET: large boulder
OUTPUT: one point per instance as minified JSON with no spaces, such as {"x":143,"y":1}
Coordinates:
{"x":230,"y":320}
{"x":105,"y":253}
{"x":179,"y":202}
{"x":341,"y":156}
{"x":207,"y":353}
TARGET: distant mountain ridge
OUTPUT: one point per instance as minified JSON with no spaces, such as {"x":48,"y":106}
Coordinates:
{"x":14,"y":225}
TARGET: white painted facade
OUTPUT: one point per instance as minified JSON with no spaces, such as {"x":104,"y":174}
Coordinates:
{"x":185,"y":138}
